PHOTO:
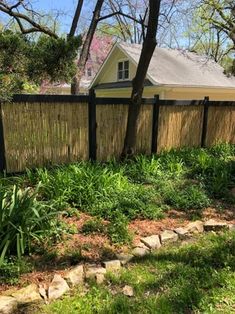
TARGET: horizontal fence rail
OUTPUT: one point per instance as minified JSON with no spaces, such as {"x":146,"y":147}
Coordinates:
{"x":40,"y":130}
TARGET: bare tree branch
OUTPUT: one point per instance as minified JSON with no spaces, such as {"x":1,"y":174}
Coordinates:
{"x":19,"y":17}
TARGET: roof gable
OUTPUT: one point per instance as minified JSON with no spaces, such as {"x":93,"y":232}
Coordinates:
{"x":173,"y":67}
{"x":178,"y":67}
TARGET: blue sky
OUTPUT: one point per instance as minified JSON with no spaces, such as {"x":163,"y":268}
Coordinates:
{"x":65,"y":7}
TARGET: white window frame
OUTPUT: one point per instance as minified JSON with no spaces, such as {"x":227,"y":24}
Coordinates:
{"x":123,"y":71}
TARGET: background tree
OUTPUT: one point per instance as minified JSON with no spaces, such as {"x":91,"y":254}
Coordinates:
{"x":24,"y":62}
{"x":220,"y":15}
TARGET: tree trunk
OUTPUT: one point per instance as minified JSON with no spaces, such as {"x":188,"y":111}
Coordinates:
{"x":85,"y":48}
{"x":138,"y":82}
{"x":75,"y":19}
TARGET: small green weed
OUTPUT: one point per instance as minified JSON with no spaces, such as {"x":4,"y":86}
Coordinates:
{"x":11,"y":269}
{"x":94,"y":225}
{"x":118,"y":229}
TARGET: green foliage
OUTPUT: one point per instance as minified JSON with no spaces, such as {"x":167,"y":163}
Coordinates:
{"x":194,"y":278}
{"x":211,"y":32}
{"x":93,"y":226}
{"x":118,"y":229}
{"x":97,"y":189}
{"x":22,"y":220}
{"x":53,"y":59}
{"x":143,"y":188}
{"x":12,"y":63}
{"x":187,"y":197}
{"x":11,"y":270}
{"x":25,"y":63}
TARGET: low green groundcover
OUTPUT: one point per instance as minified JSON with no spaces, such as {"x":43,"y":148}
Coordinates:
{"x":194,"y":278}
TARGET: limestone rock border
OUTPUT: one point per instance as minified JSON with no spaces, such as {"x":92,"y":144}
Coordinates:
{"x":82,"y":272}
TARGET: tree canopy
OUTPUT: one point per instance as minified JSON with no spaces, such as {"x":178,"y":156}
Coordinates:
{"x":25,"y":63}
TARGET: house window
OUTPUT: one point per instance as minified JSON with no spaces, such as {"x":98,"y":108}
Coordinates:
{"x":89,"y":72}
{"x":123,"y":70}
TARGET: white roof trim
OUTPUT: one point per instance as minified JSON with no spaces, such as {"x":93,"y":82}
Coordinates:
{"x":103,"y":65}
{"x":116,"y":45}
{"x":136,"y":64}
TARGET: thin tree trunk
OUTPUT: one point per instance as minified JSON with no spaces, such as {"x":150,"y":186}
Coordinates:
{"x":86,"y":47}
{"x":75,"y":19}
{"x":148,"y":48}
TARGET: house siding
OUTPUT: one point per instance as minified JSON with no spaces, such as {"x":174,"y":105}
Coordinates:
{"x":109,"y":72}
{"x":169,"y":93}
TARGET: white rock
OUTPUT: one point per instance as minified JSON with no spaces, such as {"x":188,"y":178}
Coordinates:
{"x":183,"y":233}
{"x":112,"y":266}
{"x":8,"y":305}
{"x":152,"y":242}
{"x":231,"y":227}
{"x":43,"y":292}
{"x":125,"y":258}
{"x":128,"y":290}
{"x":28,"y":294}
{"x":213,"y":225}
{"x":140,"y":251}
{"x":195,"y":227}
{"x":92,"y":271}
{"x":99,"y":278}
{"x":168,"y":236}
{"x":75,"y":276}
{"x":57,"y":287}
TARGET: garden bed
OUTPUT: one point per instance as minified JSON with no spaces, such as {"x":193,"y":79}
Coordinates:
{"x":88,"y":212}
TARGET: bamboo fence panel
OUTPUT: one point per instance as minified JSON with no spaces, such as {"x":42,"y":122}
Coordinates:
{"x":40,"y":133}
{"x":44,"y":133}
{"x":179,"y":126}
{"x":221,"y":125}
{"x":111,"y":129}
{"x":144,"y":130}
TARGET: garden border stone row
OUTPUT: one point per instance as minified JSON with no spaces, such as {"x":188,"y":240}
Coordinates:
{"x":80,"y":273}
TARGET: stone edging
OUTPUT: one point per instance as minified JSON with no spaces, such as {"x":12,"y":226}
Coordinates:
{"x":9,"y":302}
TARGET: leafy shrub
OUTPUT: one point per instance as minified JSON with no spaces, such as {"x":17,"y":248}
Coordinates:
{"x":187,"y":197}
{"x":22,"y":219}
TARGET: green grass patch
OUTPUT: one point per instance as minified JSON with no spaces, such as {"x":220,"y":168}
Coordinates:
{"x":195,"y":278}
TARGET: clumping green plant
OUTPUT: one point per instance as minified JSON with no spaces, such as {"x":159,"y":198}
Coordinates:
{"x":118,"y":229}
{"x":11,"y":269}
{"x":93,"y":226}
{"x":143,"y":187}
{"x":187,"y":197}
{"x":22,"y":220}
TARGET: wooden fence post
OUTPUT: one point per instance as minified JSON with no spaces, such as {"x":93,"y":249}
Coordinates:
{"x":92,"y":124}
{"x":205,"y":121}
{"x":2,"y":144}
{"x":155,"y":124}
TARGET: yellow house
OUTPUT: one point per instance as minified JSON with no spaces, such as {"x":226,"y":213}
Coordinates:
{"x":172,"y":74}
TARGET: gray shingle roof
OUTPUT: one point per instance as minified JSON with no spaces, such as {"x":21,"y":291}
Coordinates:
{"x":178,"y":67}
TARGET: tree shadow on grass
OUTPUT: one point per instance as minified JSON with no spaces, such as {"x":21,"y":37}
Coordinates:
{"x":191,"y":272}
{"x":179,"y":280}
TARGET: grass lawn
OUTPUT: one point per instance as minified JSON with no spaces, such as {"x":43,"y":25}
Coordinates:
{"x":194,"y":278}
{"x":52,"y":218}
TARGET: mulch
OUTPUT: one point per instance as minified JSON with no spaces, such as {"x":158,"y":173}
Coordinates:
{"x":93,"y":248}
